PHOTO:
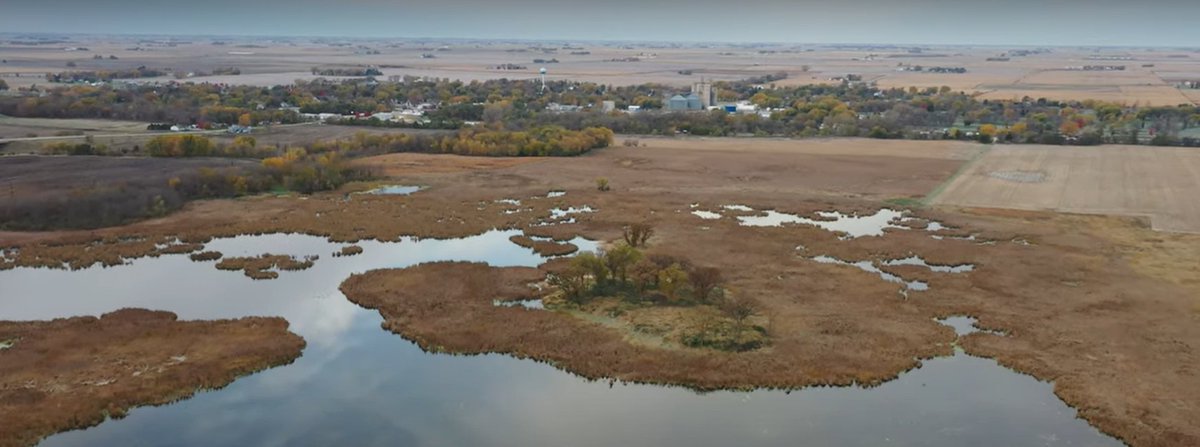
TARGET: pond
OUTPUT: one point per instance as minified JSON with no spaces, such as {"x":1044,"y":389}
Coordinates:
{"x":357,"y":384}
{"x":394,"y":190}
{"x":852,"y":226}
{"x":869,"y":267}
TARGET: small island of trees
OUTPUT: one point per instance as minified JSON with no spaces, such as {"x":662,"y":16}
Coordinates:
{"x":629,"y":279}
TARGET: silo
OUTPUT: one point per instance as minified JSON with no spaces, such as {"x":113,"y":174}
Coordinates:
{"x":677,"y":102}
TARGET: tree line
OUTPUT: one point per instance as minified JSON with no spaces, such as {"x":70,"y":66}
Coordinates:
{"x":120,"y":201}
{"x":541,"y":141}
{"x":104,"y":75}
{"x":320,"y":166}
{"x":845,"y":109}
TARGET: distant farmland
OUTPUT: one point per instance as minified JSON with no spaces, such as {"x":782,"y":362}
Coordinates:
{"x":1161,"y":183}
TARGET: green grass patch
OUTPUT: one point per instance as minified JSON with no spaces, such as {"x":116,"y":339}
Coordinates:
{"x":906,"y":202}
{"x":929,"y":198}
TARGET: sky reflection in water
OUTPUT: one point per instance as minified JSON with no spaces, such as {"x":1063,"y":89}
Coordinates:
{"x":359,"y":385}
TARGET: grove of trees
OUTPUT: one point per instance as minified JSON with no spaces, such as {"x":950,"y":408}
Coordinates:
{"x":625,"y":272}
{"x":846,"y":109}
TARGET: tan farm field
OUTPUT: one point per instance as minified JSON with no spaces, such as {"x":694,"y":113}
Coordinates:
{"x":1159,"y":183}
{"x":1149,"y":78}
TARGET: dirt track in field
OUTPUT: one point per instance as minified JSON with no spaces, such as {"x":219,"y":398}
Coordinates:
{"x":1159,"y":183}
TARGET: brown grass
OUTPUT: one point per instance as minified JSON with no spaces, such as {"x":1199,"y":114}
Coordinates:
{"x":544,"y":248}
{"x":265,"y":266}
{"x":206,"y":256}
{"x":74,"y":373}
{"x":396,"y":165}
{"x":458,"y":316}
{"x":1093,"y":303}
{"x":349,"y":250}
{"x":181,"y":248}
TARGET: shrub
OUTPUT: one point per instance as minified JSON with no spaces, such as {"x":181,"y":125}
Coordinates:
{"x":180,"y":146}
{"x":349,"y":250}
{"x":724,"y":336}
{"x":637,"y":234}
{"x":572,"y":282}
{"x":671,"y":281}
{"x":704,"y":282}
{"x":620,"y":259}
{"x":206,"y":256}
{"x":739,"y":309}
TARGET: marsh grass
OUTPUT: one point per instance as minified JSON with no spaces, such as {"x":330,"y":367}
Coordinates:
{"x":906,"y":202}
{"x":42,"y":395}
{"x":206,"y":256}
{"x":349,"y":250}
{"x":266,"y":266}
{"x":543,"y":247}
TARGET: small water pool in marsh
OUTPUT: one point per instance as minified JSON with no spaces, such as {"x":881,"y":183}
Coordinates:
{"x":869,"y":267}
{"x":359,"y":385}
{"x":536,"y":304}
{"x":849,"y":224}
{"x":394,"y":190}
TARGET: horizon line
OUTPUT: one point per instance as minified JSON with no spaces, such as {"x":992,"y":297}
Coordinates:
{"x":589,"y":40}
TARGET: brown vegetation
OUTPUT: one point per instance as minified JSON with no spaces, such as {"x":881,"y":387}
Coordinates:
{"x":180,"y":248}
{"x":637,"y":234}
{"x":1103,"y":306}
{"x":266,"y":266}
{"x":206,"y":256}
{"x":717,"y":319}
{"x":74,"y":373}
{"x":450,"y":316}
{"x":349,"y":250}
{"x":42,"y":193}
{"x":544,"y":247}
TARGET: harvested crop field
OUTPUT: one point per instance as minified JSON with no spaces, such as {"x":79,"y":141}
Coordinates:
{"x":13,"y":127}
{"x":54,"y":177}
{"x":275,"y":63}
{"x":841,"y":168}
{"x":394,"y":165}
{"x":1159,"y":183}
{"x":74,"y":373}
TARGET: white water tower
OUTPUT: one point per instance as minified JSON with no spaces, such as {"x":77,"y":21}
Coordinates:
{"x":543,"y":72}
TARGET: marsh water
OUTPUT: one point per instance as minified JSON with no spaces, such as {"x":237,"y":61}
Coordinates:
{"x":357,"y":384}
{"x":394,"y":190}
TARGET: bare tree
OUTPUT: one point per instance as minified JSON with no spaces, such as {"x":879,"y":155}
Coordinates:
{"x":739,"y":309}
{"x":704,"y":281}
{"x":637,"y":234}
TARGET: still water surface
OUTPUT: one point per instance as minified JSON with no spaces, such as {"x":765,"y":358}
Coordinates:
{"x":359,"y":385}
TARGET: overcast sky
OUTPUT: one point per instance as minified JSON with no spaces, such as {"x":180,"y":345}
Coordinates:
{"x":1000,"y":22}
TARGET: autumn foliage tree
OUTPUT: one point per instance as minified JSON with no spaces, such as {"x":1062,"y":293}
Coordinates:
{"x":671,"y":281}
{"x":180,"y":146}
